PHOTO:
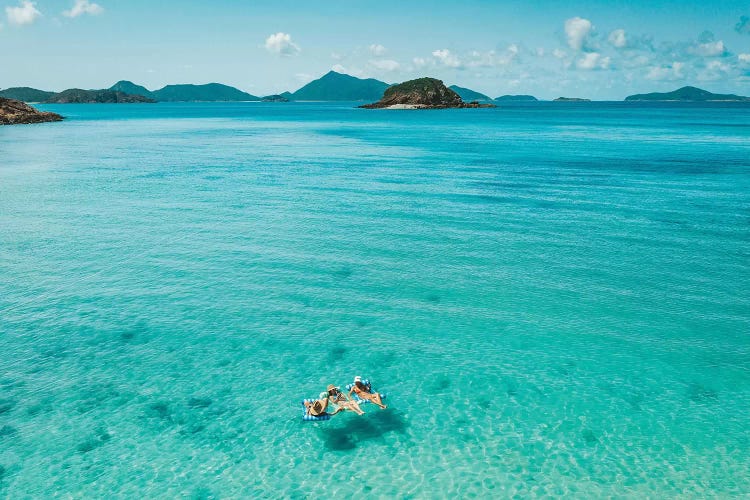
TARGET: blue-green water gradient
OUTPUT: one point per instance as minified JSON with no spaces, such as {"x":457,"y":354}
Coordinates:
{"x":556,"y":298}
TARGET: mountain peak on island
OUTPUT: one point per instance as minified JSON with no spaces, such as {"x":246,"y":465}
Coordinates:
{"x":688,"y":93}
{"x":128,"y":87}
{"x":422,"y":93}
{"x":209,"y":92}
{"x":334,"y":86}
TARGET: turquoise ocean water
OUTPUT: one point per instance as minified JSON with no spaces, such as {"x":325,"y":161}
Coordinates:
{"x":555,"y":297}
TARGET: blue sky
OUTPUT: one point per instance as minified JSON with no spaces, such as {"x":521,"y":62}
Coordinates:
{"x":596,"y":49}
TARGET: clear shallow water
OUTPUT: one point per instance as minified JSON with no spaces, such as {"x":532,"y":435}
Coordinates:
{"x":555,"y":297}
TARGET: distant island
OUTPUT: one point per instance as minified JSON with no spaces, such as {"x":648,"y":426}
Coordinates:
{"x":332,"y":86}
{"x":79,"y":96}
{"x":210,"y":92}
{"x":13,"y":112}
{"x":690,"y":94}
{"x":516,"y":98}
{"x":275,"y":98}
{"x":26,"y":94}
{"x":422,"y":93}
{"x":335,"y":86}
{"x":131,"y":88}
{"x":468,"y":94}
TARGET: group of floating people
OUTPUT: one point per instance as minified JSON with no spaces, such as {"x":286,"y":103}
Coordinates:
{"x":340,"y":401}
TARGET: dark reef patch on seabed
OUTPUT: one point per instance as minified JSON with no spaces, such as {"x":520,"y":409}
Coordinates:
{"x":8,"y":431}
{"x":369,"y":427}
{"x":6,"y":405}
{"x":701,"y":394}
{"x":336,"y":353}
{"x":98,"y":439}
{"x":439,"y":384}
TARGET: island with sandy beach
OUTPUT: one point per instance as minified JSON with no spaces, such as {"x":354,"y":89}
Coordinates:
{"x":422,"y":93}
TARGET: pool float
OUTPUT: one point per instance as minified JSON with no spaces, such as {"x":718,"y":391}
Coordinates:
{"x":360,"y":400}
{"x":312,"y":418}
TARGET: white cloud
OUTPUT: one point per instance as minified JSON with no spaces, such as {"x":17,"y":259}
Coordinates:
{"x":377,"y":50}
{"x":338,"y":68}
{"x":593,"y":60}
{"x":281,"y":44}
{"x":559,"y":54}
{"x":672,"y":71}
{"x":447,"y":58}
{"x":715,"y":70}
{"x":419,"y":62}
{"x":618,"y":38}
{"x":25,"y":13}
{"x":84,"y":7}
{"x":744,"y":58}
{"x":384,"y":64}
{"x":709,"y":49}
{"x":636,"y":61}
{"x":577,"y":30}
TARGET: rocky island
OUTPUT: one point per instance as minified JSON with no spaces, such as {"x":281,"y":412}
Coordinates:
{"x":14,"y":112}
{"x":422,"y":93}
{"x":571,"y":99}
{"x":274,"y":98}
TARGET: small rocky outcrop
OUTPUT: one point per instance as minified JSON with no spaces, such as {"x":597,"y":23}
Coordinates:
{"x":14,"y":112}
{"x":571,"y":99}
{"x":422,"y":93}
{"x":274,"y":98}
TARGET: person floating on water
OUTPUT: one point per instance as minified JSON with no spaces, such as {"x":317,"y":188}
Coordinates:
{"x":342,"y":401}
{"x":364,"y":392}
{"x":319,"y":407}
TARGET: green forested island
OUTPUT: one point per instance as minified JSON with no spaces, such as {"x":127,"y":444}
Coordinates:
{"x":693,"y":94}
{"x":468,"y":94}
{"x":422,"y":93}
{"x":26,"y":94}
{"x":335,"y":86}
{"x":80,"y":96}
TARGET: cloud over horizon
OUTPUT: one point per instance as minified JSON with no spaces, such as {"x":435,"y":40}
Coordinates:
{"x":282,"y":44}
{"x":25,"y":13}
{"x":82,"y":7}
{"x":577,"y":31}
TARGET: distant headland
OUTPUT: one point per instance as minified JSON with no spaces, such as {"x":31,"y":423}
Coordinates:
{"x":13,"y":112}
{"x":689,"y":94}
{"x":422,"y":93}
